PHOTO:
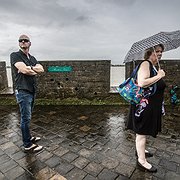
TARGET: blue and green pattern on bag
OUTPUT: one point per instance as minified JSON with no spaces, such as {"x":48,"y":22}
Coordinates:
{"x":133,"y":93}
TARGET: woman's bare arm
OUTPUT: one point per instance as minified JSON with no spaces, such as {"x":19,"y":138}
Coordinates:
{"x":144,"y":79}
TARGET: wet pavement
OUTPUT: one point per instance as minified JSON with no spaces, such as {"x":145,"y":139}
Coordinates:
{"x":82,"y":143}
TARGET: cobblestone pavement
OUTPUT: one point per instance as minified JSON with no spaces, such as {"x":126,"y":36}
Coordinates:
{"x":81,"y":142}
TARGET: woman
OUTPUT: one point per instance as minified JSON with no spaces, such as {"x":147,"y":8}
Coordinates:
{"x":147,"y":121}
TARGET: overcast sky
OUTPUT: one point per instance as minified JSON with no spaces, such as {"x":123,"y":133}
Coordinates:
{"x":85,"y":29}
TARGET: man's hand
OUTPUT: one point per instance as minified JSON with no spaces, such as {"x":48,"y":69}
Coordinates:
{"x":37,"y":68}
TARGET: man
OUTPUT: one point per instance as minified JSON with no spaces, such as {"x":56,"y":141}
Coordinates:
{"x":25,"y":68}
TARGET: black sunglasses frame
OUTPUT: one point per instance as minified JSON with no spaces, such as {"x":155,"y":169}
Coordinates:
{"x":25,"y":40}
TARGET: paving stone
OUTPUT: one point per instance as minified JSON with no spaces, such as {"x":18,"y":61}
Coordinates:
{"x":45,"y":174}
{"x":161,"y":171}
{"x":15,"y":172}
{"x":27,"y":160}
{"x":171,"y":175}
{"x":76,"y":174}
{"x":50,"y":136}
{"x":53,"y":161}
{"x":80,"y":162}
{"x":107,"y":175}
{"x":159,"y":153}
{"x":140,"y":175}
{"x":18,"y":155}
{"x":73,"y":147}
{"x":89,"y":144}
{"x":3,"y":140}
{"x":6,"y":131}
{"x":4,"y":158}
{"x":44,"y":155}
{"x":64,"y":167}
{"x":85,"y":128}
{"x":91,"y":137}
{"x":124,"y":149}
{"x":159,"y":145}
{"x":89,"y":177}
{"x":79,"y":140}
{"x":60,"y":151}
{"x":120,"y":177}
{"x":93,"y":168}
{"x":171,"y":149}
{"x":51,"y":147}
{"x":36,"y":166}
{"x":101,"y":140}
{"x":110,"y":163}
{"x":86,"y":153}
{"x":19,"y":143}
{"x":57,"y":139}
{"x":7,"y":166}
{"x":154,"y":160}
{"x":176,"y":158}
{"x":11,"y":150}
{"x":10,"y":135}
{"x":177,"y":151}
{"x":97,"y":157}
{"x":125,"y":169}
{"x":6,"y":145}
{"x":70,"y":156}
{"x":1,"y":152}
{"x":168,"y":165}
{"x":26,"y":176}
{"x":97,"y":147}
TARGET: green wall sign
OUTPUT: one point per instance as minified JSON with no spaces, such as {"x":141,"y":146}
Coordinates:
{"x":59,"y":68}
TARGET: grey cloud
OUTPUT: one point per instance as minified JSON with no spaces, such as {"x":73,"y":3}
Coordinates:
{"x":41,"y":13}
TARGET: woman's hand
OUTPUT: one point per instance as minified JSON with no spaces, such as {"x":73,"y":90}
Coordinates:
{"x":160,"y":73}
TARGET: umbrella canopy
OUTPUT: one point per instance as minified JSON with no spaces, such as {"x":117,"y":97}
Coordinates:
{"x":170,"y":40}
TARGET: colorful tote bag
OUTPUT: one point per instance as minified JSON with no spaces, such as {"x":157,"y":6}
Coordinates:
{"x":133,"y":93}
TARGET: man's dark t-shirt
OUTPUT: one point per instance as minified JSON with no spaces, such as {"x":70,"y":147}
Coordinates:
{"x":23,"y":81}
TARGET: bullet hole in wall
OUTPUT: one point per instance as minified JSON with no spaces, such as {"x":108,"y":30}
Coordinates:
{"x":76,"y":88}
{"x":60,"y":85}
{"x":95,"y":93}
{"x":67,"y":79}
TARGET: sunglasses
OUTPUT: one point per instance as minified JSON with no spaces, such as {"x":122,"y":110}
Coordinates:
{"x":25,"y":40}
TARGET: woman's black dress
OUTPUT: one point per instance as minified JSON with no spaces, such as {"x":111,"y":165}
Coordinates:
{"x":149,"y":121}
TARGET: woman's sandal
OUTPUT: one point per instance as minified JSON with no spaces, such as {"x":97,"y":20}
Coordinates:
{"x":152,"y":169}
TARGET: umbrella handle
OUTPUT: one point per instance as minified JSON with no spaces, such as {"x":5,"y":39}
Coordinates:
{"x":158,"y":64}
{"x":157,"y":59}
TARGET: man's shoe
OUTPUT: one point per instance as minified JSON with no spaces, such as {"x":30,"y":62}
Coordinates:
{"x":147,"y":154}
{"x":33,"y":148}
{"x":35,"y":139}
{"x":152,"y":169}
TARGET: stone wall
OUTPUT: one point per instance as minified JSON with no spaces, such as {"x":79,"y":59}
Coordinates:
{"x":172,"y":70}
{"x":82,"y":79}
{"x":3,"y":76}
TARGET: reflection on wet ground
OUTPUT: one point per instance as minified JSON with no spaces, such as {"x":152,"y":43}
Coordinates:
{"x":84,"y":142}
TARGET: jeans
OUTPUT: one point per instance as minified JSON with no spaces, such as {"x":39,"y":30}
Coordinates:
{"x":26,"y":103}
